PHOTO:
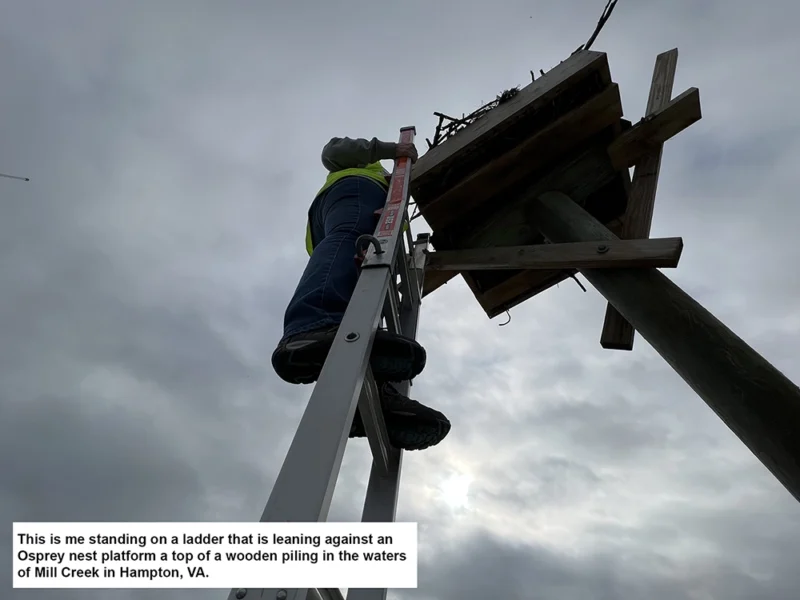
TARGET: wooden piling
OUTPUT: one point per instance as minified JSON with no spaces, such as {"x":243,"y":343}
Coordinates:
{"x":753,"y":398}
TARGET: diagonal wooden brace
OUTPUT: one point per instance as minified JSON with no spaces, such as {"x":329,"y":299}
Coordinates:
{"x":618,"y":334}
{"x":642,"y":139}
{"x":653,"y":253}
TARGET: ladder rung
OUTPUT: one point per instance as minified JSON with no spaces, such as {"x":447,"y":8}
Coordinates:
{"x":414,"y":269}
{"x":369,"y":405}
{"x":417,"y":258}
{"x":391,"y":307}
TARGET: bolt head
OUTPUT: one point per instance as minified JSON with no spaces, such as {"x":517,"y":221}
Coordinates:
{"x":241,"y":593}
{"x":281,"y":595}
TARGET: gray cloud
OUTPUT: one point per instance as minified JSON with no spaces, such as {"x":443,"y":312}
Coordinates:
{"x":173,"y":150}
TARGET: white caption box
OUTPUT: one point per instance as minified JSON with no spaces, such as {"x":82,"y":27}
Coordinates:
{"x":215,"y":555}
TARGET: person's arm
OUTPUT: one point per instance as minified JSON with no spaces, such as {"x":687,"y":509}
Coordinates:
{"x":349,"y":153}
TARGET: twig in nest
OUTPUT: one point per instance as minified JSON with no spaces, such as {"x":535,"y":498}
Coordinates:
{"x":507,"y":95}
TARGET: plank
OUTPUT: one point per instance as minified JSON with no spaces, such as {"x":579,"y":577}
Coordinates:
{"x":539,"y":150}
{"x":653,"y":253}
{"x":436,"y":279}
{"x":525,"y":285}
{"x":531,"y":97}
{"x":617,"y":333}
{"x":665,"y":123}
{"x":518,"y":289}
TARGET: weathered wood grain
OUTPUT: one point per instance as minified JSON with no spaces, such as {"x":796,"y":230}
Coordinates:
{"x":617,"y":333}
{"x":653,"y":253}
{"x":665,"y":123}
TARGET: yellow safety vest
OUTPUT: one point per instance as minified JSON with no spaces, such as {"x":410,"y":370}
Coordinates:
{"x":372,"y":171}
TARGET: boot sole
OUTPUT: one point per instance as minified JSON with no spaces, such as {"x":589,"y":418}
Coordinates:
{"x":392,"y":360}
{"x":409,"y":433}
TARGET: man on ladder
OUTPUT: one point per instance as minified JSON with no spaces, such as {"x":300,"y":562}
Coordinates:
{"x":344,"y":209}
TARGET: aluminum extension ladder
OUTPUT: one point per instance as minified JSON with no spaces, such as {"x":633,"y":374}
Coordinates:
{"x":305,"y":484}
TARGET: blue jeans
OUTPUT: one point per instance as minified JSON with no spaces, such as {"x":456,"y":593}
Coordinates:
{"x":338,"y":217}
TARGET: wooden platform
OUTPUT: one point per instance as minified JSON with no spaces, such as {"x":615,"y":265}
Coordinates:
{"x":563,"y":132}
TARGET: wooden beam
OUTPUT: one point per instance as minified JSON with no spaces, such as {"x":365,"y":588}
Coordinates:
{"x":531,"y":97}
{"x":653,"y":253}
{"x":618,"y":334}
{"x":436,"y":279}
{"x":517,"y":289}
{"x":526,"y":284}
{"x":639,"y":141}
{"x":755,"y":400}
{"x":579,"y":124}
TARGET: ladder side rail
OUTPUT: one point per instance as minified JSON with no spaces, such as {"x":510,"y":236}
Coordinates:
{"x":380,"y":505}
{"x":387,"y":253}
{"x":305,"y":484}
{"x":325,"y":594}
{"x":387,"y":239}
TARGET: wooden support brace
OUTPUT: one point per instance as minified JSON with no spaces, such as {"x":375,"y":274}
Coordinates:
{"x":653,"y":253}
{"x":618,"y":334}
{"x":641,"y":139}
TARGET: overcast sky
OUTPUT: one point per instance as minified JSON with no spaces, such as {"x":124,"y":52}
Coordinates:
{"x":173,"y":150}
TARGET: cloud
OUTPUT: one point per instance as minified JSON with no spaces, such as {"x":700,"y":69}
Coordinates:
{"x":173,"y":150}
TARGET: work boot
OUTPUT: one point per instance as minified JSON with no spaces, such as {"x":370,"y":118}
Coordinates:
{"x":410,"y":425}
{"x":299,"y":358}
